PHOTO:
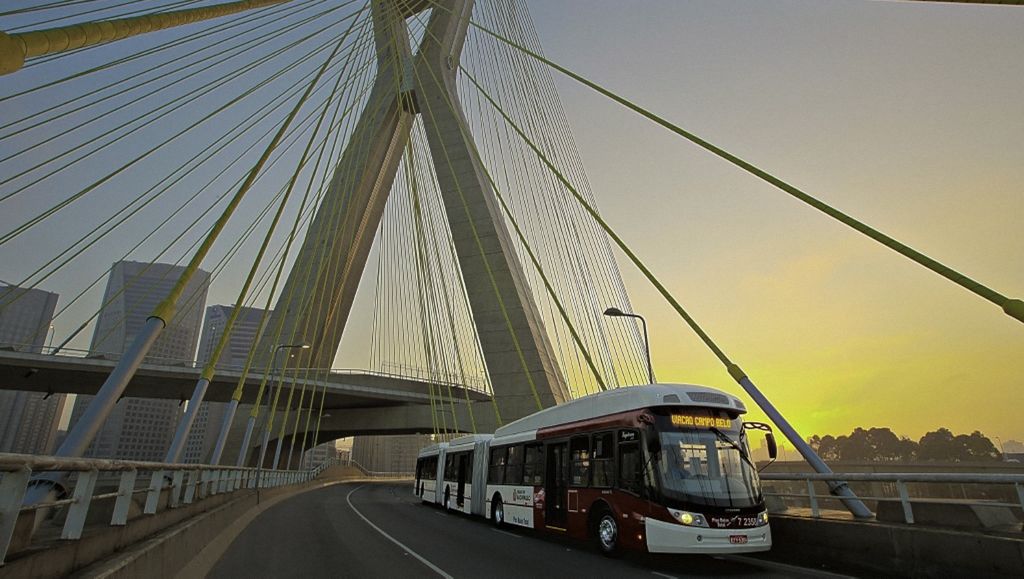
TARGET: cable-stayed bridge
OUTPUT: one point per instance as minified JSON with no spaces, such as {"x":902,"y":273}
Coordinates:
{"x":393,"y":182}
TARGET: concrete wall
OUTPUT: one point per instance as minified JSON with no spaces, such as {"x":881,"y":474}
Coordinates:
{"x":887,"y":550}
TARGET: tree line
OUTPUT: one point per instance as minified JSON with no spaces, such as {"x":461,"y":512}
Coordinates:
{"x":882,"y":445}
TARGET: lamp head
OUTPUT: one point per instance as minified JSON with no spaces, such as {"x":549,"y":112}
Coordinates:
{"x":613,"y":312}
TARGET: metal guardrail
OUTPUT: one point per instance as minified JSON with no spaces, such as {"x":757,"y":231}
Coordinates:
{"x":900,"y":481}
{"x":203,"y":481}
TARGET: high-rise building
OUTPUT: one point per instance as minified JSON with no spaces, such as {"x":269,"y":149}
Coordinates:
{"x":388,"y":453}
{"x":142,"y":428}
{"x":244,"y":334}
{"x":28,"y":420}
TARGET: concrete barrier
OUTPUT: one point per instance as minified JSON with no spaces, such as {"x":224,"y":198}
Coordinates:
{"x":152,"y":546}
{"x":890,"y":550}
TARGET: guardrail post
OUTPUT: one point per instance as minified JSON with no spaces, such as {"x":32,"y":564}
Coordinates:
{"x":225,"y":480}
{"x":813,"y":498}
{"x":1020,"y":494}
{"x":213,"y":482}
{"x":190,"y":488}
{"x":908,"y":512}
{"x":12,"y":493}
{"x":124,"y":498}
{"x":175,"y":498}
{"x":156,"y":484}
{"x":204,"y":483}
{"x":80,"y":507}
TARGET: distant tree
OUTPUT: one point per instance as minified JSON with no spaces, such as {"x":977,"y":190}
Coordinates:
{"x":883,"y":445}
{"x":887,"y":446}
{"x":937,"y":445}
{"x":908,"y":450}
{"x":828,"y":449}
{"x":857,"y":447}
{"x":977,"y":446}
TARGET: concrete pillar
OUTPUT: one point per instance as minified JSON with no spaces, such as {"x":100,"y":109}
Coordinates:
{"x":337,"y":244}
{"x":476,"y":221}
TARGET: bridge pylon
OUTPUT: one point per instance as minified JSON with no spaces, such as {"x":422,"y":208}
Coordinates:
{"x":520,"y":360}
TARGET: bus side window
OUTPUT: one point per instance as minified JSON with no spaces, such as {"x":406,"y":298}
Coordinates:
{"x":449,"y":467}
{"x":533,"y":465}
{"x":630,"y":464}
{"x":604,"y":459}
{"x":496,"y":472}
{"x":579,"y":452}
{"x":514,"y":468}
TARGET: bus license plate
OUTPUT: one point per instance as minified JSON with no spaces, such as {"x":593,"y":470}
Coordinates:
{"x":737,"y":539}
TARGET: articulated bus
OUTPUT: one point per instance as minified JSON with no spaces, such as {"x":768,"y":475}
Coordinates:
{"x":664,"y":468}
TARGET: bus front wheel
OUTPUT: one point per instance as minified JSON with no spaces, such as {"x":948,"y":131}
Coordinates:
{"x":606,"y":532}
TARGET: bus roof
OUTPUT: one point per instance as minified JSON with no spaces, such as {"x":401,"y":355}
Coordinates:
{"x":468,"y":440}
{"x":622,"y":400}
{"x":432,"y":449}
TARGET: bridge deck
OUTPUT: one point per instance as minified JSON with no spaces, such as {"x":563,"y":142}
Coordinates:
{"x":69,"y":375}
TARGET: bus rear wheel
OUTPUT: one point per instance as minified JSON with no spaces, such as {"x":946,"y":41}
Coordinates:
{"x":498,"y":513}
{"x":606,"y":532}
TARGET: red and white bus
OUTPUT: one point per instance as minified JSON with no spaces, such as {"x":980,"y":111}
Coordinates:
{"x":664,"y":468}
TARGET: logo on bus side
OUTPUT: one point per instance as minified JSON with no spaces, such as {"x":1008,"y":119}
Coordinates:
{"x":521,"y":496}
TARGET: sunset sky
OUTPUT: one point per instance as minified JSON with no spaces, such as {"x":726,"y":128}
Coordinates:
{"x":905,"y":115}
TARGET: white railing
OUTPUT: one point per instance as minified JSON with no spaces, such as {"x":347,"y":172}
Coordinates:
{"x":183,"y":483}
{"x":1008,"y":483}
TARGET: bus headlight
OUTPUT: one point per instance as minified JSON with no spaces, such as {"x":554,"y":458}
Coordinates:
{"x":689,"y":519}
{"x":762,"y":518}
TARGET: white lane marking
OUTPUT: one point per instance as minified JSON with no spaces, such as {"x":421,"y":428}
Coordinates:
{"x":786,"y":567}
{"x":434,"y":568}
{"x":507,"y":533}
{"x":664,"y":575}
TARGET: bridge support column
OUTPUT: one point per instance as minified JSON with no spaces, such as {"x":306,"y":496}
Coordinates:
{"x":523,"y":370}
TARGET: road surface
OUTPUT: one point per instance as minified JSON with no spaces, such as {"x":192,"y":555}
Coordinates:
{"x":381,"y":530}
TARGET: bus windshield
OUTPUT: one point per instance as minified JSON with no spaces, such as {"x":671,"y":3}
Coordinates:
{"x":706,"y":466}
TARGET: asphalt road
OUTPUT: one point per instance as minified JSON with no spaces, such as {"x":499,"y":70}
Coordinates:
{"x":381,"y":530}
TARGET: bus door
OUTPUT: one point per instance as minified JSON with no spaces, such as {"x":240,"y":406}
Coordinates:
{"x":556,"y":484}
{"x":463,"y":474}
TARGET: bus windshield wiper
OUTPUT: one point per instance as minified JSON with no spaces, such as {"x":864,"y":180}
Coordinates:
{"x":725,"y":438}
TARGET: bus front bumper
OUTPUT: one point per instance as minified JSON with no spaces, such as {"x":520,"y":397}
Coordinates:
{"x":665,"y":537}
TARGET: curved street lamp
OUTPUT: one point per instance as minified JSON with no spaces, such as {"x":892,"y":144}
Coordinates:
{"x":617,"y":313}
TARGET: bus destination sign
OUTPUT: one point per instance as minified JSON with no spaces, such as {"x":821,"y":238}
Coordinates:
{"x":695,"y":421}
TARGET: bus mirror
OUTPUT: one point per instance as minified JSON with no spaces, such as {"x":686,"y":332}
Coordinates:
{"x":773,"y":449}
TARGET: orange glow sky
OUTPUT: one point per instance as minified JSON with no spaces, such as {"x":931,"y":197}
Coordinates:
{"x":905,"y":115}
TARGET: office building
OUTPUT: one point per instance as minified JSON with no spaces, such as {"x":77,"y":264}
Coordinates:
{"x":28,"y":420}
{"x":245,"y":333}
{"x":142,"y":428}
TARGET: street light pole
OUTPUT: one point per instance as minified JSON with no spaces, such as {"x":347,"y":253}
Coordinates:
{"x":252,"y":419}
{"x":617,"y":313}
